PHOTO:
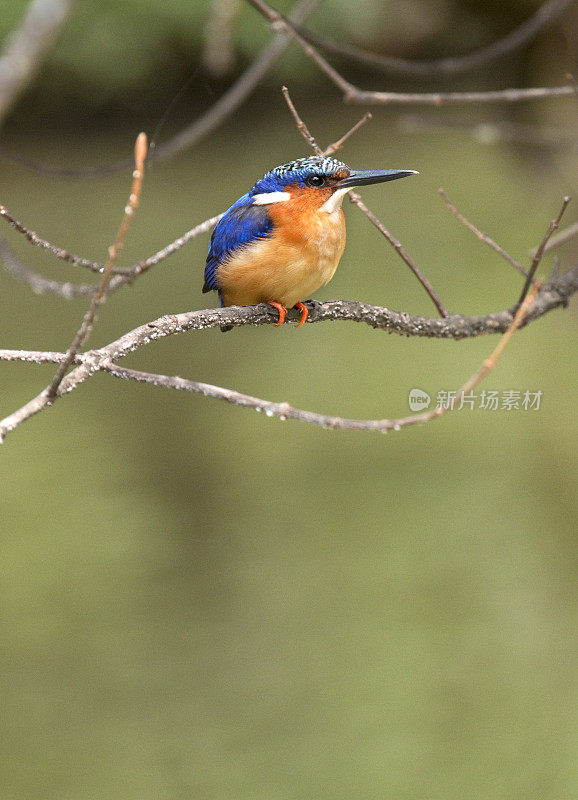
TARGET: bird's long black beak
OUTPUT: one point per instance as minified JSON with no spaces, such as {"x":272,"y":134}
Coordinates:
{"x":363,"y":177}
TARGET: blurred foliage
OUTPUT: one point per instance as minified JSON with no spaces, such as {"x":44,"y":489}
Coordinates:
{"x":137,"y":52}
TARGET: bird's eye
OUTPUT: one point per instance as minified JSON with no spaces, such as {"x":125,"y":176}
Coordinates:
{"x":315,"y":180}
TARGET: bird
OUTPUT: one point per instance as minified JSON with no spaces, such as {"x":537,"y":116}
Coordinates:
{"x":283,"y":239}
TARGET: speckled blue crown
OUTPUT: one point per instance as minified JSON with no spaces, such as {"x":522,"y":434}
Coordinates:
{"x":319,"y":164}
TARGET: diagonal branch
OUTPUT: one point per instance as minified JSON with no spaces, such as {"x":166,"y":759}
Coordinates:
{"x":355,"y":198}
{"x":483,"y":237}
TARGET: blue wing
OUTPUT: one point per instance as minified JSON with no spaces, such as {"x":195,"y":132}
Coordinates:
{"x":242,"y":223}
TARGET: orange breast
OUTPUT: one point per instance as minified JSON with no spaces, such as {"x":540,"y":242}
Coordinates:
{"x":301,"y":255}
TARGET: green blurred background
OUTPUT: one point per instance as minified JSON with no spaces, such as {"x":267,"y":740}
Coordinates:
{"x":200,"y":602}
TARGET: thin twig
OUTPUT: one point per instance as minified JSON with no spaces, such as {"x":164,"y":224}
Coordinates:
{"x":541,"y":247}
{"x":353,"y":94}
{"x":301,"y":126}
{"x":524,"y":33}
{"x":483,"y":237}
{"x":333,"y":148}
{"x":361,"y":97}
{"x":401,"y":251}
{"x":355,"y":198}
{"x":37,"y":282}
{"x":561,"y":238}
{"x":89,"y":318}
{"x":38,"y":241}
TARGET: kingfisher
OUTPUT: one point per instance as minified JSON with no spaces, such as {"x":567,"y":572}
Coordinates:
{"x":283,"y":239}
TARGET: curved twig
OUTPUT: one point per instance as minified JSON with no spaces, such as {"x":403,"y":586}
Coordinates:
{"x":547,"y":14}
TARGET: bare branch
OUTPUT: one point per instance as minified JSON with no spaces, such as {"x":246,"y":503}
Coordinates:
{"x":128,"y":274}
{"x":483,"y":237}
{"x":25,"y":47}
{"x":353,"y":94}
{"x":301,"y":126}
{"x":285,"y":411}
{"x":37,"y":241}
{"x":541,"y":247}
{"x":546,"y":15}
{"x":36,"y":356}
{"x":361,"y":97}
{"x":102,"y":360}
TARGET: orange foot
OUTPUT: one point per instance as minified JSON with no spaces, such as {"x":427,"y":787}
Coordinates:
{"x":282,"y":312}
{"x":304,"y":313}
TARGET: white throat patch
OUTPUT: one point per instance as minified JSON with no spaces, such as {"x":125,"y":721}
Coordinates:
{"x":270,"y":197}
{"x":334,"y":202}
